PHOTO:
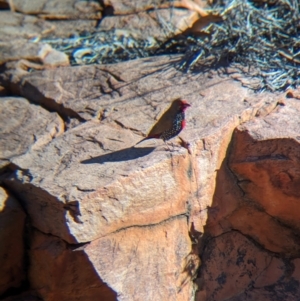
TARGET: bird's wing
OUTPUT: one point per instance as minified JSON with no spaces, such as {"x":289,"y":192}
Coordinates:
{"x":165,"y":122}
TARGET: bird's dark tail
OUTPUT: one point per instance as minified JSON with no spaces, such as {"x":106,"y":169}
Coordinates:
{"x":141,"y":141}
{"x":149,"y":137}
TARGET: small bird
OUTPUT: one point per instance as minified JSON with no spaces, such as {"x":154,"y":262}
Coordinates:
{"x":171,"y":122}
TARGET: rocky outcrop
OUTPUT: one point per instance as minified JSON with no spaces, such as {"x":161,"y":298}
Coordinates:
{"x":95,"y":159}
{"x":89,"y":188}
{"x":16,"y":26}
{"x":24,"y":126}
{"x":253,"y":250}
{"x":12,"y":51}
{"x":211,"y":217}
{"x":70,"y":9}
{"x":151,"y":23}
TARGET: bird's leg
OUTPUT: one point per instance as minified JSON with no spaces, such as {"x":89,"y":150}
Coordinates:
{"x":185,"y":144}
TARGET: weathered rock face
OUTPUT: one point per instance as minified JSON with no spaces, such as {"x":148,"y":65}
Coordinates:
{"x":70,"y":9}
{"x":124,"y":264}
{"x":24,"y":126}
{"x":43,"y":53}
{"x":267,"y":164}
{"x":16,"y":26}
{"x":236,"y":268}
{"x":89,"y":177}
{"x":68,"y":273}
{"x":110,"y":221}
{"x":90,"y":185}
{"x":255,"y":244}
{"x":145,"y":23}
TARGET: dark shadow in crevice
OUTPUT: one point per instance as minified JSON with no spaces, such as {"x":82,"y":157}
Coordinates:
{"x":4,"y":6}
{"x":234,"y":228}
{"x":108,"y":10}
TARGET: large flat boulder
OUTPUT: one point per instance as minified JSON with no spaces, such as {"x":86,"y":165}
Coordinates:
{"x":87,"y":188}
{"x":36,"y":52}
{"x":14,"y":26}
{"x":159,"y":24}
{"x":86,"y":180}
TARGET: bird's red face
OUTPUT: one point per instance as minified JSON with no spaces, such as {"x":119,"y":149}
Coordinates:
{"x":184,"y":105}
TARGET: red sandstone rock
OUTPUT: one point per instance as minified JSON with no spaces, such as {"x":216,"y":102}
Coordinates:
{"x":116,"y":222}
{"x":89,"y":182}
{"x":15,"y":26}
{"x":89,"y":198}
{"x":130,"y":7}
{"x":265,"y":229}
{"x":259,"y":201}
{"x":235,"y":268}
{"x":12,"y":256}
{"x":18,"y":31}
{"x":25,"y":126}
{"x":265,"y":159}
{"x":68,"y":9}
{"x":68,"y":28}
{"x":95,"y":184}
{"x":138,"y":263}
{"x":37,"y":52}
{"x":127,"y":7}
{"x":67,"y":271}
{"x":18,"y":26}
{"x":160,"y":24}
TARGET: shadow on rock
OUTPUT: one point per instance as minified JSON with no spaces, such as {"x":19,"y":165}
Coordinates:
{"x":125,"y":154}
{"x":246,"y":251}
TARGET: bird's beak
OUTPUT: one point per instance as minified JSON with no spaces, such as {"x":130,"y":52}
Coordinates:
{"x":186,"y":105}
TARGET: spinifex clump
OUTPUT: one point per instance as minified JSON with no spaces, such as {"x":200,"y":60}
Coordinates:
{"x":263,"y":36}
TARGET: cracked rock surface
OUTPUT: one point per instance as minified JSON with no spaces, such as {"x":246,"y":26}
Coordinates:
{"x":86,"y":215}
{"x":91,"y":181}
{"x":24,"y":126}
{"x":253,"y":226}
{"x":89,"y":190}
